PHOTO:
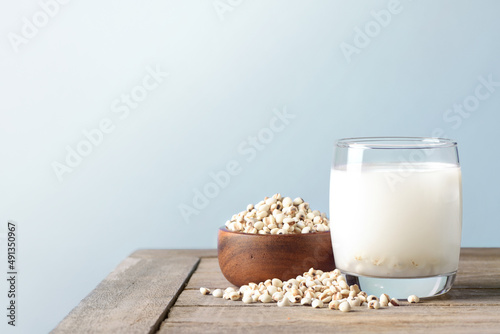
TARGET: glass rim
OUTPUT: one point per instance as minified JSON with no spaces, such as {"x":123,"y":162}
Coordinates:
{"x":395,"y":142}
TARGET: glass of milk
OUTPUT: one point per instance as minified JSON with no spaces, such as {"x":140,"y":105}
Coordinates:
{"x":396,"y":214}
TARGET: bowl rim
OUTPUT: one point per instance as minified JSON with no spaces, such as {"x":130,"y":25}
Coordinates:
{"x":306,"y":235}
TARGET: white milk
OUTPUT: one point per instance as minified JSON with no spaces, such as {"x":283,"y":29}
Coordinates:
{"x":396,"y":220}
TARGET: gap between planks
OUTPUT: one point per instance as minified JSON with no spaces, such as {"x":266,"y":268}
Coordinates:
{"x":172,"y":302}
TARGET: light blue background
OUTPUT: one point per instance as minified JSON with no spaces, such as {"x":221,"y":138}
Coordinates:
{"x":225,"y":79}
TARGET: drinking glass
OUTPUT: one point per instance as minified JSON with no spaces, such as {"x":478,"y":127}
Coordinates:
{"x":396,"y":214}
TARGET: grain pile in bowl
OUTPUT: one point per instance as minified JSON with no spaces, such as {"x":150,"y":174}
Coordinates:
{"x":279,"y":215}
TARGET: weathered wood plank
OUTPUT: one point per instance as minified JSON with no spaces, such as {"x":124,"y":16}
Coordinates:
{"x":208,"y":265}
{"x":480,"y":253}
{"x":466,"y":297}
{"x":208,"y":280}
{"x":479,"y":268}
{"x":455,"y":297}
{"x":299,"y":319}
{"x":137,"y":295}
{"x":308,"y":326}
{"x":474,"y":271}
{"x":195,"y":298}
{"x":134,"y":298}
{"x":473,"y":308}
{"x":156,"y":253}
{"x":478,"y":277}
{"x":334,"y":327}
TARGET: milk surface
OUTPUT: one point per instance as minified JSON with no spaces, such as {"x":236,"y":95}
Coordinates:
{"x":396,"y":220}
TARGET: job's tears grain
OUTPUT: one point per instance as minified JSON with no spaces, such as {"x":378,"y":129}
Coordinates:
{"x":279,"y":215}
{"x":313,"y":288}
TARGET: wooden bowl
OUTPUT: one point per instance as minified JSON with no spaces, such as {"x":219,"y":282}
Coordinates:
{"x":245,"y":258}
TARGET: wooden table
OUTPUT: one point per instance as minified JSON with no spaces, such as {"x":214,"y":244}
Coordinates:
{"x":157,"y":291}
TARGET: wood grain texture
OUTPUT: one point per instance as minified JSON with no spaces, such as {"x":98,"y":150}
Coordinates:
{"x":208,"y":265}
{"x":455,"y":297}
{"x":332,"y":327}
{"x":208,"y":280}
{"x":245,"y":258}
{"x":134,"y":298}
{"x":472,"y":306}
{"x":140,"y":292}
{"x":418,"y":318}
{"x":168,"y":253}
